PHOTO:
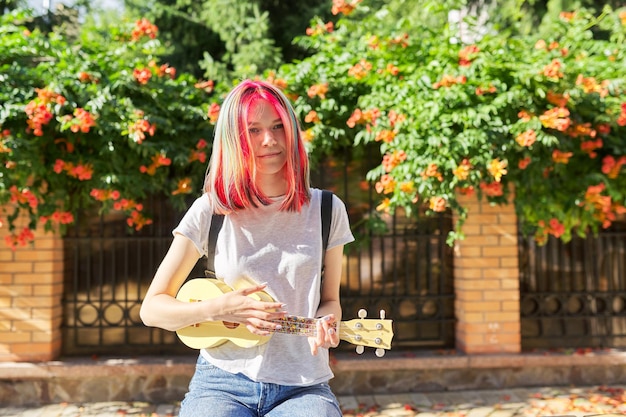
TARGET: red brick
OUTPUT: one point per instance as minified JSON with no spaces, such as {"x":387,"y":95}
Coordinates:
{"x":481,"y":240}
{"x":474,"y":339}
{"x":6,"y":255}
{"x":46,"y":313}
{"x":472,"y":229}
{"x":502,"y":252}
{"x":509,"y":338}
{"x":41,"y":349}
{"x":12,"y":337}
{"x":36,"y":278}
{"x":468,"y":274}
{"x":32,"y":325}
{"x":13,"y":314}
{"x":502,"y":316}
{"x":470,"y":296}
{"x":501,"y":295}
{"x":469,"y":317}
{"x":43,"y":256}
{"x":503,"y":273}
{"x":483,"y":306}
{"x":477,"y":284}
{"x":466,"y":251}
{"x":48,"y":267}
{"x":510,"y":262}
{"x":16,"y":290}
{"x":16,"y":267}
{"x":48,"y":290}
{"x":50,"y":337}
{"x":478,"y":262}
{"x":511,"y":306}
{"x":6,"y":278}
{"x":48,"y":241}
{"x":34,"y":302}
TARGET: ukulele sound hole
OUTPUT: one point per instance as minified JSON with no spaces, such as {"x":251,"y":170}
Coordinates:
{"x":230,"y":325}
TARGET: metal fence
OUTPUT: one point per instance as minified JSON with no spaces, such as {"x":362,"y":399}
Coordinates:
{"x":408,"y":273}
{"x":107,"y":271}
{"x":573,"y":295}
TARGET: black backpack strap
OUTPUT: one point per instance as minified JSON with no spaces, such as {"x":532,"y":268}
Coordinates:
{"x":327,"y":214}
{"x":216,"y":226}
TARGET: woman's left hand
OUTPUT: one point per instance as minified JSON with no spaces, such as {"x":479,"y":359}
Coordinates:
{"x":327,"y":335}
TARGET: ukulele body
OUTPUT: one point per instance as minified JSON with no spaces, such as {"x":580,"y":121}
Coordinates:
{"x":211,"y":334}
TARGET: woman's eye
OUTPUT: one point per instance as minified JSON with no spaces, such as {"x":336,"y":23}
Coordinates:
{"x":279,"y":126}
{"x":254,"y":130}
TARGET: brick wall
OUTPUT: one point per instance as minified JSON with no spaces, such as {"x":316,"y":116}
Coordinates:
{"x":31,"y":286}
{"x":486,"y":280}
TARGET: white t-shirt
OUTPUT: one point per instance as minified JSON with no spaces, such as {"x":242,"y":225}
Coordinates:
{"x":284,"y":250}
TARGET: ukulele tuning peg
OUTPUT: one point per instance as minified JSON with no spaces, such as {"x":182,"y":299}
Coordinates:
{"x":380,"y":352}
{"x":382,"y":314}
{"x":360,"y":349}
{"x":362,"y":313}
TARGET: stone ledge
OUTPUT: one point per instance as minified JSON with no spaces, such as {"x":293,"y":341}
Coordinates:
{"x":341,"y":361}
{"x":76,"y":367}
{"x":422,"y":372}
{"x":428,"y":360}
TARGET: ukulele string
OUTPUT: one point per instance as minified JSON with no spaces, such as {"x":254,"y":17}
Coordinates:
{"x":289,"y":325}
{"x":296,"y":325}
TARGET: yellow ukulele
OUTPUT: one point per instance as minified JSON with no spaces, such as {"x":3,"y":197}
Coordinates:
{"x":360,"y":332}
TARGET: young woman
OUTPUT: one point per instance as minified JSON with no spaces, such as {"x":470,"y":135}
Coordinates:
{"x":270,"y":241}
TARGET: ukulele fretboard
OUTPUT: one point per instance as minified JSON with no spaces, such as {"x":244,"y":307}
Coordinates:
{"x":302,"y":326}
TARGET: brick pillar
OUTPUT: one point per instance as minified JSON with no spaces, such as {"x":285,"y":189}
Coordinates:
{"x":31,"y":286}
{"x":486,"y":280}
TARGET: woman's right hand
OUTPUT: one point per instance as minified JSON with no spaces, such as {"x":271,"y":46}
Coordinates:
{"x":259,"y":317}
{"x":160,"y":308}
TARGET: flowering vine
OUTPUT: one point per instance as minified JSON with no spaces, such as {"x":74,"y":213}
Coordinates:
{"x":540,"y":119}
{"x":100,"y":123}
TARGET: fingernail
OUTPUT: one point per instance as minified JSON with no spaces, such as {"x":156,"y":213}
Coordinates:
{"x":331,"y":331}
{"x":326,"y":318}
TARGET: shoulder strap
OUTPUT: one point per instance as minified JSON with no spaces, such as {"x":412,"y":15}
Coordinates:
{"x":327,"y":214}
{"x":216,"y":225}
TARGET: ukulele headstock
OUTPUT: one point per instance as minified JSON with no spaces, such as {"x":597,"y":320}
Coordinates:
{"x":376,"y":333}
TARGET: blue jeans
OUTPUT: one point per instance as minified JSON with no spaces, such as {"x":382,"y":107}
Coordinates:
{"x":217,"y":393}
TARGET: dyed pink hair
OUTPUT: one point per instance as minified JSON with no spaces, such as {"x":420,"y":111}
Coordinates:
{"x":230,"y":181}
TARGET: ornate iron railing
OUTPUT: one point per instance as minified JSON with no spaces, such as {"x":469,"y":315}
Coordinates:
{"x":573,"y":295}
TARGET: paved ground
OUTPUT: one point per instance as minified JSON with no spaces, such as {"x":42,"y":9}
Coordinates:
{"x":519,"y":402}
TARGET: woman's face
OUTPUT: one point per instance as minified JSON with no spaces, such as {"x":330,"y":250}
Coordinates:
{"x":268,"y":137}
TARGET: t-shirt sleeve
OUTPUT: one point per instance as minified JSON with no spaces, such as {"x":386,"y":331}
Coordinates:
{"x":340,"y":233}
{"x":195,"y":224}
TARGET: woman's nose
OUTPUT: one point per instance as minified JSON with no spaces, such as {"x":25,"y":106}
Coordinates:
{"x":268,"y":139}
